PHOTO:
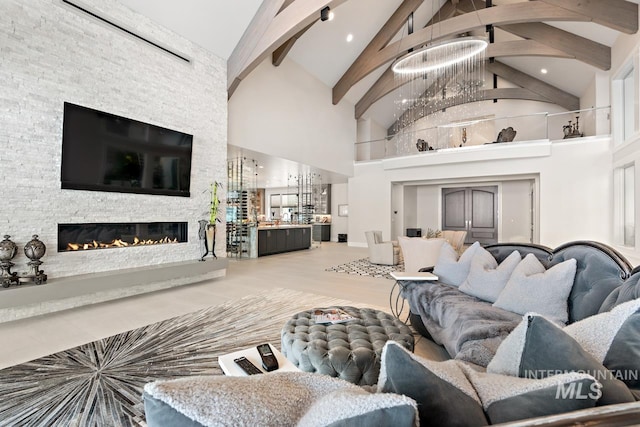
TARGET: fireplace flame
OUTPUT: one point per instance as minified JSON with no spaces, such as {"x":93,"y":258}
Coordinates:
{"x":118,"y":243}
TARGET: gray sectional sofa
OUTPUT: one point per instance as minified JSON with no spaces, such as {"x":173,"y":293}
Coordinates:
{"x":494,"y":351}
{"x":473,"y":330}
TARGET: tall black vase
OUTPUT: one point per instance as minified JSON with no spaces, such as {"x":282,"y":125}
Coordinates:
{"x":207,"y":234}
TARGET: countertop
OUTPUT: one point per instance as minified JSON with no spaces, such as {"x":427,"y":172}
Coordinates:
{"x":275,"y":227}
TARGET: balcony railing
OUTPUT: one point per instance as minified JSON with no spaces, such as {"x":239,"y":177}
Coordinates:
{"x":531,"y":127}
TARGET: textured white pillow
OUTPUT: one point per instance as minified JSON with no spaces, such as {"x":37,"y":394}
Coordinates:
{"x":449,"y":268}
{"x":419,"y":253}
{"x":532,"y":288}
{"x":597,"y":333}
{"x":486,"y":278}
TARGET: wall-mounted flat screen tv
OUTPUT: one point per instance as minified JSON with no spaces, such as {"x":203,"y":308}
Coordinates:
{"x":105,"y":152}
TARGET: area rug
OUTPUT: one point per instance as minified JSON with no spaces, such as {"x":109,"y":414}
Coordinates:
{"x":100,"y":383}
{"x":363,"y":267}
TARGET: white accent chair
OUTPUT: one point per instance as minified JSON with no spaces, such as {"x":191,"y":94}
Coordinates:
{"x":380,"y":252}
{"x":455,"y":239}
{"x":419,"y":252}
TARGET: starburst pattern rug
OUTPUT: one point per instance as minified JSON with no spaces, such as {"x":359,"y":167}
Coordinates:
{"x":100,"y":383}
{"x":363,"y":267}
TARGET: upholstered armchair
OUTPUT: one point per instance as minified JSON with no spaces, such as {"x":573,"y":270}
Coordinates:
{"x":455,"y":238}
{"x":380,"y":252}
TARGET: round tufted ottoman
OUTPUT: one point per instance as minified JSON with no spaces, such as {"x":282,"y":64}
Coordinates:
{"x":350,"y":350}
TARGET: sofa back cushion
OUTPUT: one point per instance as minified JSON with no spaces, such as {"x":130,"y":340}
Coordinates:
{"x":629,"y":290}
{"x":600,"y":269}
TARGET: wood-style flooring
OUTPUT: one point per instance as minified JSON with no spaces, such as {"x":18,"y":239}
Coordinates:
{"x":28,"y":339}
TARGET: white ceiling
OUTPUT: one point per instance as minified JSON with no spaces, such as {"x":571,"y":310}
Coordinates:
{"x":324,"y":52}
{"x":216,"y":25}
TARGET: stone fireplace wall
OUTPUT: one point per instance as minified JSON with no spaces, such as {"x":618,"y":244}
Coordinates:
{"x":51,"y":53}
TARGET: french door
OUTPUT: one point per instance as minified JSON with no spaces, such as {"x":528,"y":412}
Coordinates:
{"x":474,"y":209}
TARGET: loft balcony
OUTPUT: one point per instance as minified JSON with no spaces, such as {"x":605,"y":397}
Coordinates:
{"x":469,"y":140}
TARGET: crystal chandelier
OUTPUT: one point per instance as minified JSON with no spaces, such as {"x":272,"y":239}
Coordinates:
{"x":440,"y":55}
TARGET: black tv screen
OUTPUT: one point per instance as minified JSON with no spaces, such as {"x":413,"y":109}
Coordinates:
{"x":105,"y":152}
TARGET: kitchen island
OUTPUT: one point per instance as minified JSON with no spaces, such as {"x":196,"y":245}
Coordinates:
{"x":276,"y":239}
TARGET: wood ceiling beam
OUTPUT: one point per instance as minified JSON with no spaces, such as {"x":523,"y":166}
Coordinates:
{"x":483,"y":95}
{"x":280,"y":53}
{"x":498,"y":15}
{"x":524,"y":48}
{"x":387,"y":82}
{"x":285,"y":4}
{"x":581,"y":48}
{"x":577,"y":47}
{"x":256,"y":29}
{"x":551,"y":93}
{"x":448,"y":10}
{"x":620,"y":15}
{"x":267,"y":31}
{"x":379,"y":41}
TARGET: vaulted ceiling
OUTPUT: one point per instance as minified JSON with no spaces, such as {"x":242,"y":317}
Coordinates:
{"x":571,"y":39}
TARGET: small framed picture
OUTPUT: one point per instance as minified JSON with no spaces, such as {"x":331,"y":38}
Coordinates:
{"x":343,"y":210}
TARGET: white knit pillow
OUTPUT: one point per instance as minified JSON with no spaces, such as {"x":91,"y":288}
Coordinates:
{"x":451,"y":270}
{"x":486,"y":278}
{"x":533,"y":288}
{"x":274,"y":399}
{"x":505,"y":398}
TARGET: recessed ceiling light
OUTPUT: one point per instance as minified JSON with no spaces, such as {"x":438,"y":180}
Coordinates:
{"x":544,"y":71}
{"x":349,"y":37}
{"x":331,"y":16}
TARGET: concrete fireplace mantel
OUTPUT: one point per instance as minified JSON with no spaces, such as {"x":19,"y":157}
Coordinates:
{"x":19,"y":302}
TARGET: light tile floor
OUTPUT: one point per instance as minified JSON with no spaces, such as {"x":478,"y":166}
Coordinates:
{"x":27,"y":339}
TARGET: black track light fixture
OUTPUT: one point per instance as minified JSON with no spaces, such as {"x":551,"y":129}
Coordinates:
{"x":324,"y":13}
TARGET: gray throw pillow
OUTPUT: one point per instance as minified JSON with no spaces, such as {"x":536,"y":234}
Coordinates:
{"x":532,"y":288}
{"x":274,"y":399}
{"x":507,"y":399}
{"x":613,"y":338}
{"x":451,"y":270}
{"x":486,"y":278}
{"x":538,"y":348}
{"x":442,"y":391}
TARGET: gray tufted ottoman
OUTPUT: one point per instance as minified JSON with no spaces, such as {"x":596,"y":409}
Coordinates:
{"x":350,"y":350}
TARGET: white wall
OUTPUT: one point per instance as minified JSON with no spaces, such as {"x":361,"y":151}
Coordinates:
{"x":369,"y":202}
{"x":516,"y":211}
{"x":575,"y":186}
{"x":285,"y":112}
{"x":429,"y":202}
{"x":52,"y":54}
{"x":339,"y":224}
{"x":626,"y":49}
{"x":410,"y":204}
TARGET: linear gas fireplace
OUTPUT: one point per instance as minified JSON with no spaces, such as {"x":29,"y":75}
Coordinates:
{"x":91,"y":236}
